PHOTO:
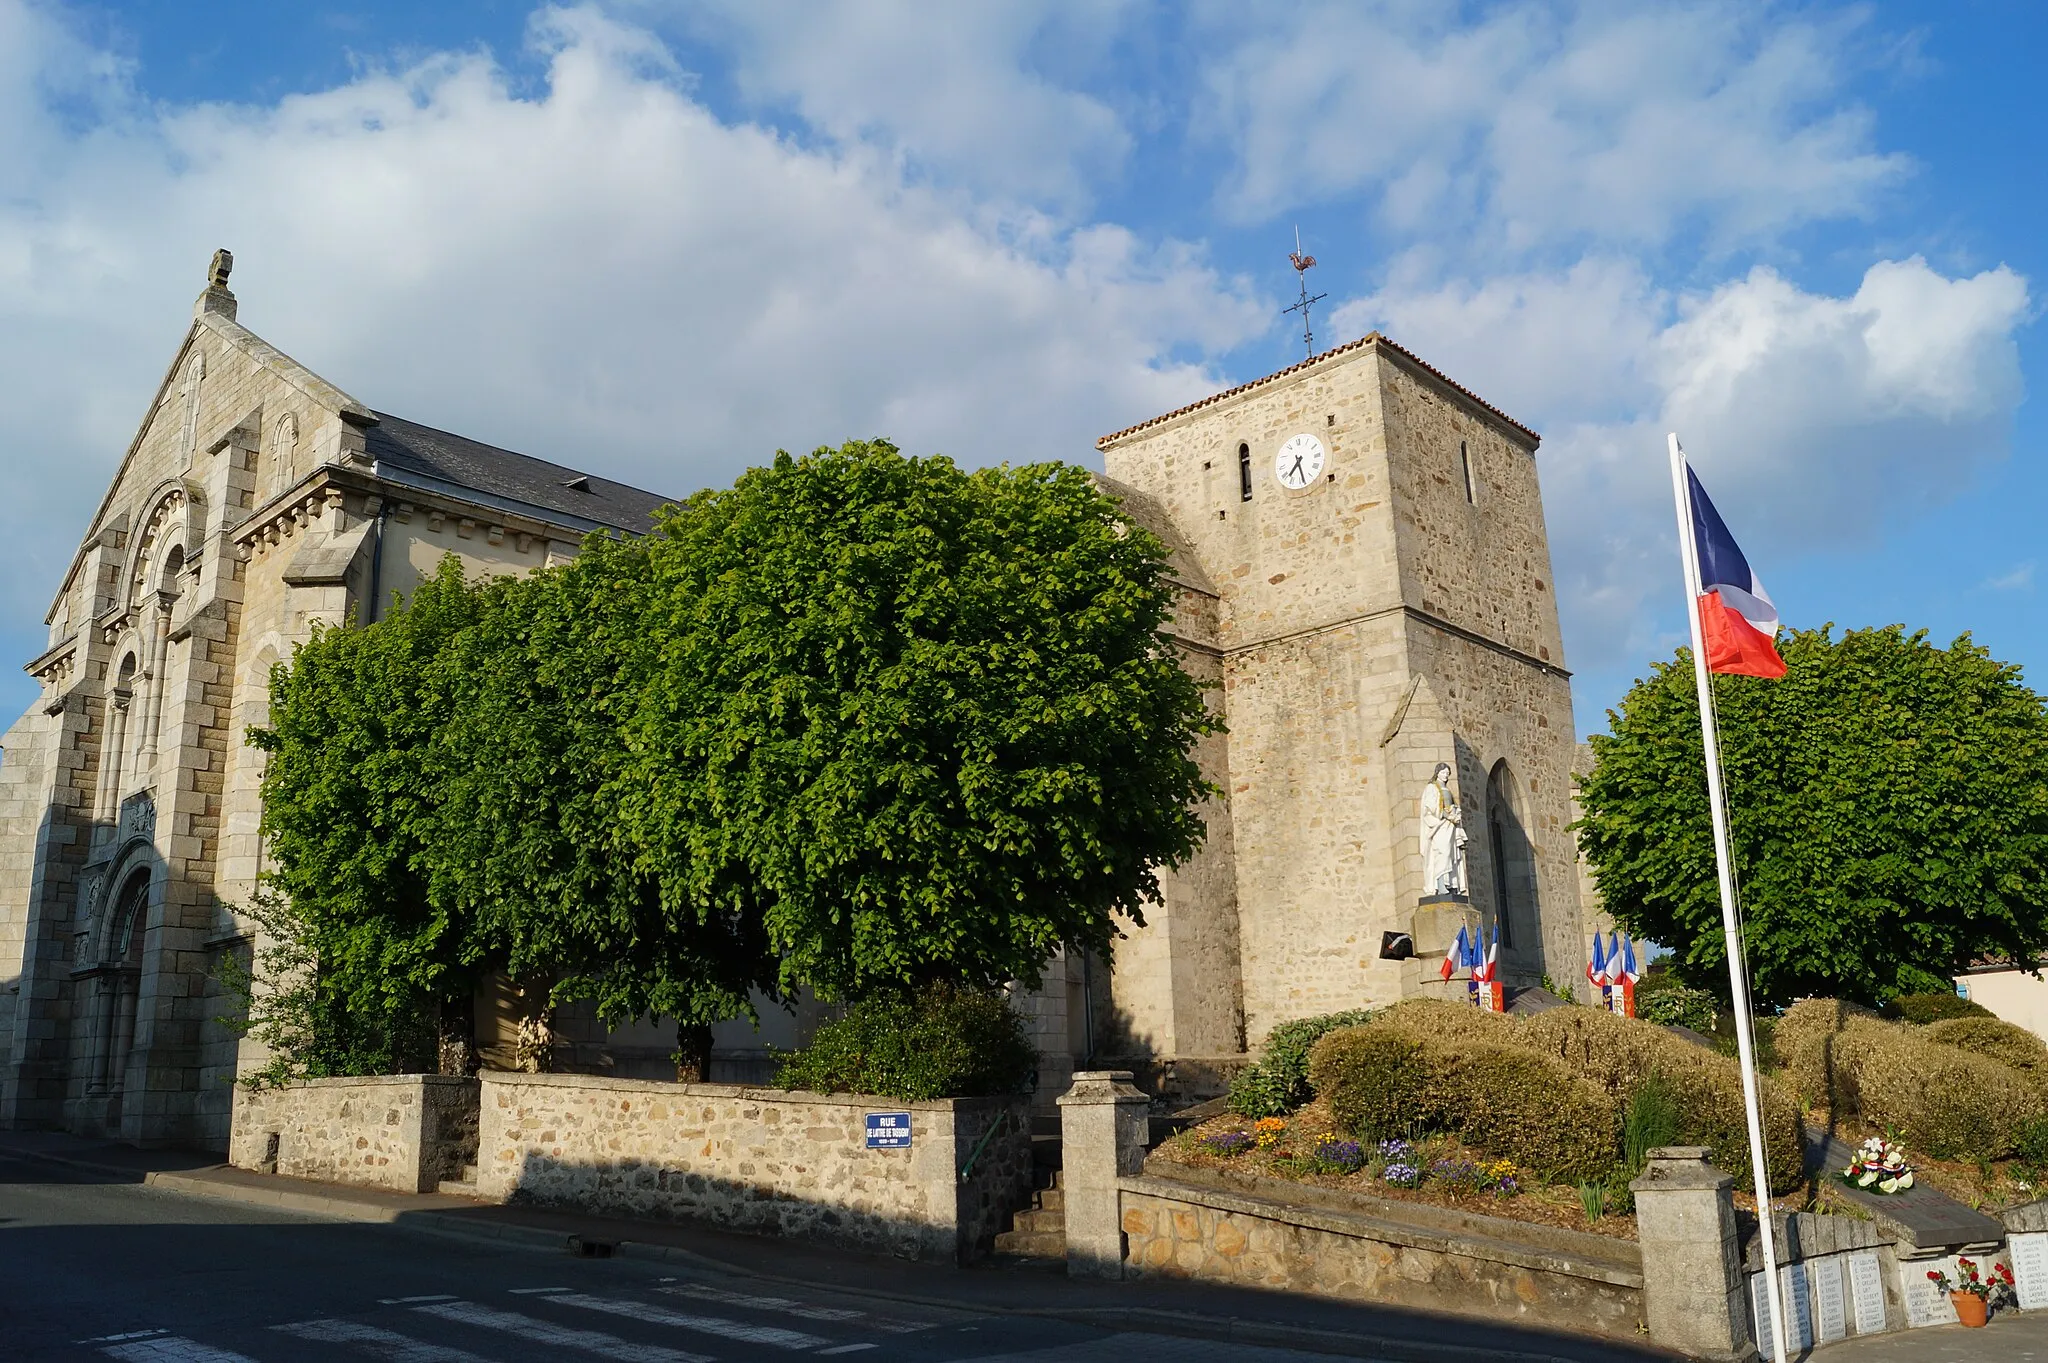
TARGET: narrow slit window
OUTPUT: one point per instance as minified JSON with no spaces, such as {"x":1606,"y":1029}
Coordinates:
{"x":1465,"y":461}
{"x":1244,"y":473}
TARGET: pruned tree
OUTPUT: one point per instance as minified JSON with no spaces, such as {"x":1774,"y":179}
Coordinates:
{"x":1889,"y":815}
{"x":921,"y":724}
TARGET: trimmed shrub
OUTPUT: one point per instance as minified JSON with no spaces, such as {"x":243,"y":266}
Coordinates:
{"x":1444,"y":1020}
{"x":1278,"y":1082}
{"x":1621,"y":1054}
{"x":1946,"y":1102}
{"x":944,"y":1041}
{"x":1995,"y":1039}
{"x":1374,"y":1079}
{"x":1388,"y":1080}
{"x":1925,"y":1008}
{"x":1526,"y":1106}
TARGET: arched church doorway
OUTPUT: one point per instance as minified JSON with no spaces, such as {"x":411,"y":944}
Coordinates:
{"x":120,"y":979}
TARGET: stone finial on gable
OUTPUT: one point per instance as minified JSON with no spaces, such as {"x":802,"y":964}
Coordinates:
{"x":217,"y":299}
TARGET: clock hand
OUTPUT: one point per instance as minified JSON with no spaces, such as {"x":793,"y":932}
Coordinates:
{"x":1297,"y":467}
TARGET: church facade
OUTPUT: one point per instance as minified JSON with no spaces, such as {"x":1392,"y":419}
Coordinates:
{"x":1359,"y":549}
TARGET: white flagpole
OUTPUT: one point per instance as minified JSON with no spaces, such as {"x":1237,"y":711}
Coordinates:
{"x":1738,"y":982}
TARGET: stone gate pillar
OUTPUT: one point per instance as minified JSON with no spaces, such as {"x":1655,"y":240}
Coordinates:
{"x":1693,"y":1289}
{"x":1103,"y":1126}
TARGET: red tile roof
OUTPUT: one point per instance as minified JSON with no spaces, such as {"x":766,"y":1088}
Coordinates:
{"x":1373,"y":338}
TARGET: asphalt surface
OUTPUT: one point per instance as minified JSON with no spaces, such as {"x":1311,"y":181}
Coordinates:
{"x":97,"y":1268}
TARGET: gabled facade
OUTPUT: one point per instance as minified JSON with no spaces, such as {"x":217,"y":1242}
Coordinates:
{"x":256,"y":501}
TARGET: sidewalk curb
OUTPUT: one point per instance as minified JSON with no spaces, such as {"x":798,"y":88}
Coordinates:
{"x":1233,"y":1329}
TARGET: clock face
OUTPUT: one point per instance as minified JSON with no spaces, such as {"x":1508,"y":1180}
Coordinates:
{"x":1300,"y":461}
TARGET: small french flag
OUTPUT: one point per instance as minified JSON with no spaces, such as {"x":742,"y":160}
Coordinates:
{"x":1596,"y":970}
{"x":1629,"y":971}
{"x":1737,"y":619}
{"x":1456,"y":958}
{"x":1489,"y":966}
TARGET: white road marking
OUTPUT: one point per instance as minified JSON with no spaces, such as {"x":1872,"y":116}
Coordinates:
{"x":651,"y":1314}
{"x":411,"y":1301}
{"x":131,"y":1334}
{"x":172,"y":1349}
{"x":385,"y":1344}
{"x":790,"y":1307}
{"x":561,"y":1336}
{"x":529,"y":1291}
{"x":846,"y":1349}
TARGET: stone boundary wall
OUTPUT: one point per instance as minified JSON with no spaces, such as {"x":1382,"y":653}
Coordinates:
{"x":763,"y":1160}
{"x":1526,"y":1274}
{"x":404,"y":1132}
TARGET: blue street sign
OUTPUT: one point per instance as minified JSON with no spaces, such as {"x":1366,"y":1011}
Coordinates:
{"x":888,"y":1131}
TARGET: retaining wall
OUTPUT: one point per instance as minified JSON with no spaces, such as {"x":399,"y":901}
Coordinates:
{"x":765,"y":1160}
{"x":1472,"y":1265}
{"x":404,"y":1132}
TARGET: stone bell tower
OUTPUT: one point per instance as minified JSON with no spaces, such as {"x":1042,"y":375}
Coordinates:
{"x":1364,"y":571}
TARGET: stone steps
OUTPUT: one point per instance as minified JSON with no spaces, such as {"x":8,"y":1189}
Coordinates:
{"x":1040,"y":1230}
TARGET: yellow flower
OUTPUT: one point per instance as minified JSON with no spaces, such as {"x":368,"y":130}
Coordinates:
{"x":1268,"y":1131}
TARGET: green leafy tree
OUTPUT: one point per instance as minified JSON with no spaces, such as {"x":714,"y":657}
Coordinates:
{"x":1889,"y":815}
{"x":351,"y":815}
{"x":532,"y":851}
{"x":920,"y":724}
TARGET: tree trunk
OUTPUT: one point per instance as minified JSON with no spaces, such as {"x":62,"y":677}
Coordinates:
{"x":455,"y":1036}
{"x":693,"y":1053}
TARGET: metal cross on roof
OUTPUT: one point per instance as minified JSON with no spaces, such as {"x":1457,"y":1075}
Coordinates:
{"x":1302,"y":265}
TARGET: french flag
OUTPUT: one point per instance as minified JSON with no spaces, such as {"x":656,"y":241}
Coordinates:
{"x":1489,"y":967}
{"x":1737,"y":620}
{"x":1629,"y":971}
{"x":1457,"y":957}
{"x":1596,"y":969}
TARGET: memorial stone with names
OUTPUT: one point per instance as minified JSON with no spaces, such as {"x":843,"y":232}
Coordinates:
{"x":1798,"y":1309}
{"x":1866,"y":1292}
{"x":1830,"y":1299}
{"x":2030,"y":1268}
{"x":1926,"y":1304}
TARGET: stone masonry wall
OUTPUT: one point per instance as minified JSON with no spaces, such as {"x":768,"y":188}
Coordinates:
{"x":784,"y":1163}
{"x":1177,"y":1230}
{"x":402,"y":1132}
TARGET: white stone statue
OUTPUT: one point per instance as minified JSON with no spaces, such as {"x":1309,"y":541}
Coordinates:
{"x":1443,"y":837}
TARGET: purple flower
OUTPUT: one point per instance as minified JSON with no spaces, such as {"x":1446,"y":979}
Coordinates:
{"x":1403,"y":1175}
{"x":1228,"y":1142}
{"x":1346,"y":1155}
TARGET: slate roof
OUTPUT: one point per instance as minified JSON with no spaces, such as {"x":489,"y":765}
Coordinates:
{"x":403,"y":448}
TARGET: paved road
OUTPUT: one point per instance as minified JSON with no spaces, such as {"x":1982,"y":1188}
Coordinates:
{"x":98,"y":1269}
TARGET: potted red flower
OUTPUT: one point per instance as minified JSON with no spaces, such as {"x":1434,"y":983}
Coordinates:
{"x":1971,"y":1292}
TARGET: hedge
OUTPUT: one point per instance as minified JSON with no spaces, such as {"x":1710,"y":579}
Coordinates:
{"x":1925,"y":1008}
{"x":1507,"y":1100}
{"x":1995,"y":1038}
{"x":1945,"y":1102}
{"x":1278,"y":1081}
{"x":946,"y":1041}
{"x":1617,"y":1055}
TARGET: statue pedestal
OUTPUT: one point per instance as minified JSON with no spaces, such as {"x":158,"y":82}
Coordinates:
{"x":1434,"y":926}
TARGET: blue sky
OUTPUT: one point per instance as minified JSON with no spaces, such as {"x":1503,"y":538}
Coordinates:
{"x":659,"y":241}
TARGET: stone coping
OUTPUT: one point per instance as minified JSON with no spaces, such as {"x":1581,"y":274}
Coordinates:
{"x":367,"y":1081}
{"x":1552,"y":1250}
{"x":752,"y":1093}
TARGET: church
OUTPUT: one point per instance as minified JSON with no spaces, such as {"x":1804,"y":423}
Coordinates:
{"x":1361,"y":568}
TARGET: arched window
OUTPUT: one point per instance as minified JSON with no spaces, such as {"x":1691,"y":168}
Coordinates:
{"x":284,"y":456}
{"x":1514,"y":861}
{"x":1244,"y":473}
{"x":121,"y":985}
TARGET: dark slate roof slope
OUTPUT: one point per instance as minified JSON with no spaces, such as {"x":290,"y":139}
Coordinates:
{"x":415,"y":453}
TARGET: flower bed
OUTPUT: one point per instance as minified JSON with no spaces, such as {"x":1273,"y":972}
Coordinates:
{"x":1437,"y":1171}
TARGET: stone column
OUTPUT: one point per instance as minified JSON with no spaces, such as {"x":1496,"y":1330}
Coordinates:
{"x":1103,"y":1125}
{"x":1694,"y":1292}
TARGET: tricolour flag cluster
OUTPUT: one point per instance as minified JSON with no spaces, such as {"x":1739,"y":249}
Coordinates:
{"x":1613,"y":961}
{"x":1472,"y":952}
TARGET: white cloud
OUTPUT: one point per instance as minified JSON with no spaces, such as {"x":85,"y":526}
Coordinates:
{"x":1545,"y":123}
{"x":600,"y":271}
{"x":2020,"y":579}
{"x":966,"y":91}
{"x":1813,"y":420}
